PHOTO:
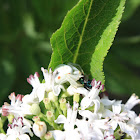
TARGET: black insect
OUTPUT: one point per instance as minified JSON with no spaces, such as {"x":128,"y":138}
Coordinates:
{"x":86,"y":82}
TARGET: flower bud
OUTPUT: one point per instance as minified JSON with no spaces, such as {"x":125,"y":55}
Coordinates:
{"x":35,"y":109}
{"x":48,"y":136}
{"x":52,"y":97}
{"x":47,"y":103}
{"x":50,"y":115}
{"x":39,"y":128}
{"x":76,"y":97}
{"x":36,"y":119}
{"x":63,"y":105}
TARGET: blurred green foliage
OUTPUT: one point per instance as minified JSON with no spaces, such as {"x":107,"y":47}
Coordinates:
{"x":25,"y":31}
{"x":122,"y":64}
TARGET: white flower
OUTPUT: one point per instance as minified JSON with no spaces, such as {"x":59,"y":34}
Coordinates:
{"x":107,"y":105}
{"x":87,"y":131}
{"x":69,"y":122}
{"x":17,"y":130}
{"x":38,"y":88}
{"x":92,"y":126}
{"x":59,"y":135}
{"x":130,"y":130}
{"x":132,"y":127}
{"x":116,"y":116}
{"x":16,"y":107}
{"x":106,"y":102}
{"x":81,"y":90}
{"x":66,"y":135}
{"x":94,"y":119}
{"x":84,"y":129}
{"x":50,"y":85}
{"x":137,"y":125}
{"x":92,"y":97}
{"x":39,"y":128}
{"x":105,"y":122}
{"x":30,"y":99}
{"x":3,"y":136}
{"x":133,"y":100}
{"x":109,"y":135}
{"x":123,"y":116}
{"x":49,"y":79}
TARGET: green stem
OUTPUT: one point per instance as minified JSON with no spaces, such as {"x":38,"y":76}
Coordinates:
{"x":58,"y":108}
{"x":54,"y":125}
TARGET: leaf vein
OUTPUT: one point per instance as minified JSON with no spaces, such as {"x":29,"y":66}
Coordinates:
{"x":80,"y":41}
{"x":75,"y":27}
{"x":66,"y":42}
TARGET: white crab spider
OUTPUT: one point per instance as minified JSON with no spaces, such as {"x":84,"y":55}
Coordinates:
{"x":67,"y":73}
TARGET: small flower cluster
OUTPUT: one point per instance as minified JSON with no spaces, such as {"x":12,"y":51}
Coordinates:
{"x":66,"y":106}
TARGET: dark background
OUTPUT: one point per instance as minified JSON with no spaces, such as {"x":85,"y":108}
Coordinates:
{"x":25,"y":30}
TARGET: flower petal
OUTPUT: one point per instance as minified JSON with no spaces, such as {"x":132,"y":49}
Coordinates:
{"x":24,"y":137}
{"x":60,"y":119}
{"x":85,"y":103}
{"x":116,"y":108}
{"x":107,"y":102}
{"x":58,"y":135}
{"x":3,"y":136}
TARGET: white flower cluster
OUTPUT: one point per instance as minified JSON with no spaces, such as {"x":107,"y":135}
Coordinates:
{"x":66,"y":106}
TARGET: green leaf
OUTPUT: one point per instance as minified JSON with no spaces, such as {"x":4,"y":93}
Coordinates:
{"x":86,"y":35}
